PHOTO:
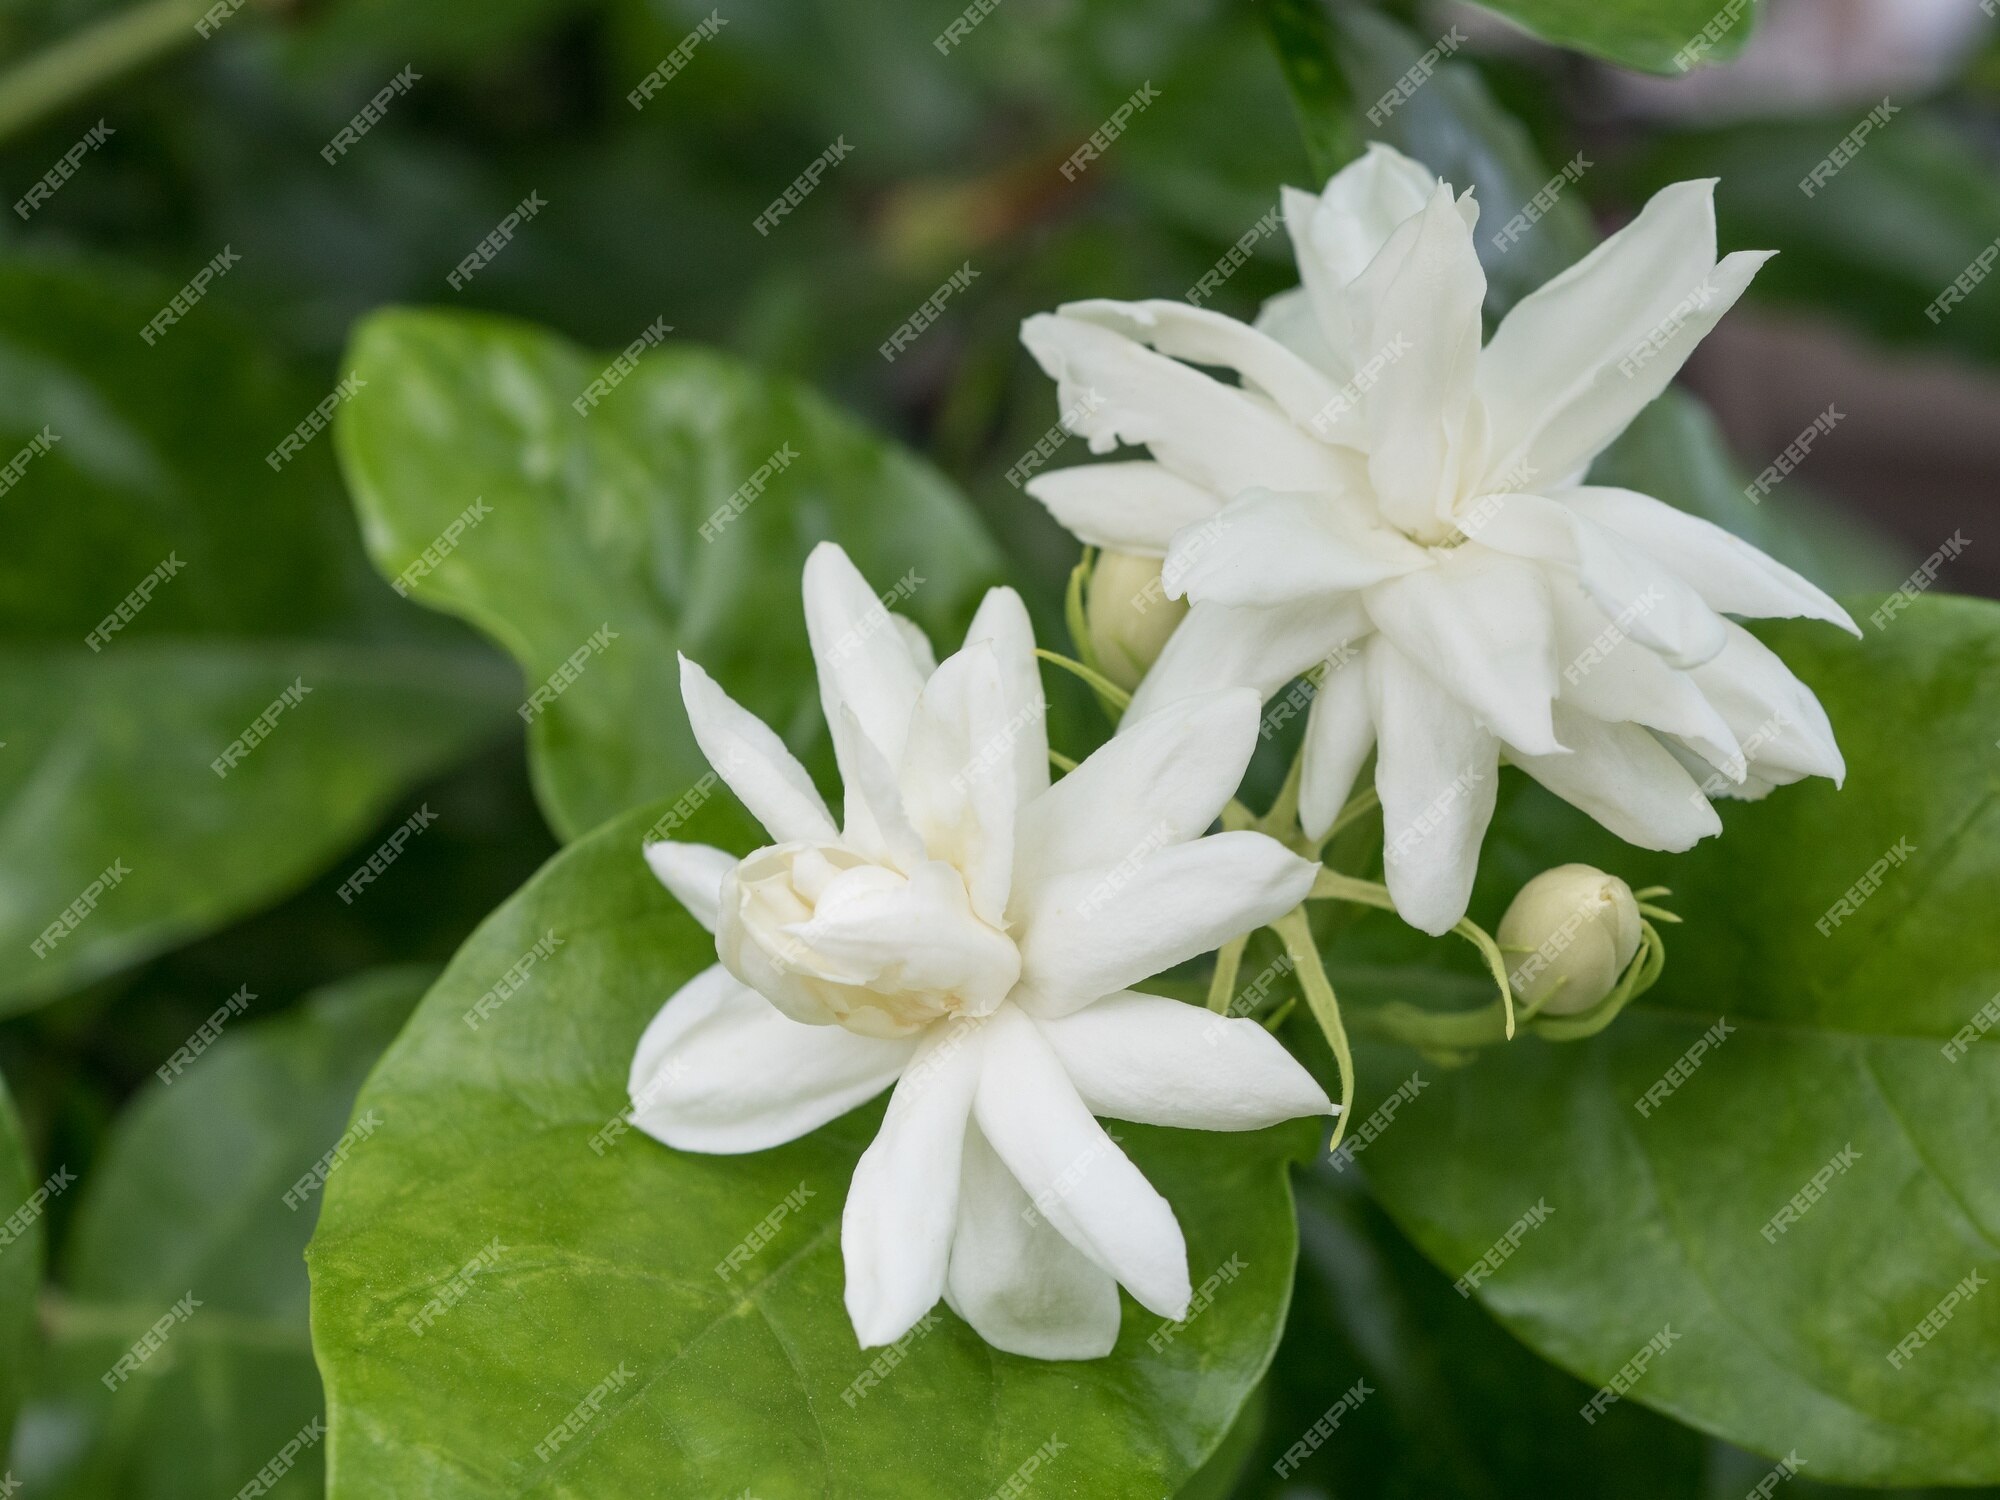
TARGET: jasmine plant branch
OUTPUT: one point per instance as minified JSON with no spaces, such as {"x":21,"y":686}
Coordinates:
{"x":1333,"y":886}
{"x":1295,"y":932}
{"x":83,"y":62}
{"x":1228,"y":964}
{"x":1281,"y":822}
{"x":1073,"y":607}
{"x":1103,"y":686}
{"x":1358,"y":806}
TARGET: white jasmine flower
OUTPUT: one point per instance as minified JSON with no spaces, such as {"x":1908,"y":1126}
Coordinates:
{"x":1382,"y":494}
{"x":967,"y":934}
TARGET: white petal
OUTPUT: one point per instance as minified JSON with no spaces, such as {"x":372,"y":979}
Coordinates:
{"x":959,"y":777}
{"x":1716,"y":784}
{"x":1003,"y":620}
{"x":1266,"y":549}
{"x":1073,"y":1172}
{"x":1340,"y":731}
{"x":1162,"y":1062}
{"x":1610,"y":676}
{"x":1480,"y":625}
{"x":1576,"y":424}
{"x":1089,"y":933}
{"x":1320,"y":284}
{"x":896,"y":1231}
{"x":913,"y":636}
{"x":875,"y":822}
{"x":1627,"y":780}
{"x":1775,"y":717}
{"x":1362,"y":205}
{"x":694,"y":874}
{"x":1022,"y":1286}
{"x":1203,"y":337}
{"x":1162,"y":781}
{"x":1725,"y":570}
{"x":865,"y":666}
{"x":1418,"y":348}
{"x":1133,"y":507}
{"x":1651,"y":603}
{"x":1437,"y":772}
{"x":1553,"y":345}
{"x":919,"y":934}
{"x":1293,"y":321}
{"x":765,"y":776}
{"x":1338,"y":233}
{"x":1217,"y":436}
{"x":721,"y":1070}
{"x":1217,"y":646}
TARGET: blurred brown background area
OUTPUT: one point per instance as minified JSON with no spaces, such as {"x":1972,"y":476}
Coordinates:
{"x":1916,"y":450}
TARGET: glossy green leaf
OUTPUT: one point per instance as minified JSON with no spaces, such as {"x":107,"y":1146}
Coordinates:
{"x":152,"y":493}
{"x":606,"y":1266}
{"x":1451,"y":1404}
{"x":1667,"y":1167}
{"x":1454,"y":1404}
{"x":1660,"y":36}
{"x":20,"y":1262}
{"x":189,"y":1197}
{"x":669,"y":512}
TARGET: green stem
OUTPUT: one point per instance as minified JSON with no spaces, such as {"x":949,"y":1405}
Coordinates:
{"x":1302,"y":33}
{"x":1281,"y":822}
{"x":1295,"y":932}
{"x":1075,"y":614}
{"x":1333,"y":886}
{"x":1228,"y":964}
{"x":80,"y":64}
{"x":1433,"y":1030}
{"x":1638,"y":978}
{"x":1099,"y":683}
{"x":1358,"y":807}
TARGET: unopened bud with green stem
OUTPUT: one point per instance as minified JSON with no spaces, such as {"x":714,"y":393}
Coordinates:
{"x":1573,"y":931}
{"x":1129,"y":615}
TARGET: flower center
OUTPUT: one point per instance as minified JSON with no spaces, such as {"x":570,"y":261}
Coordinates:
{"x":832,"y":936}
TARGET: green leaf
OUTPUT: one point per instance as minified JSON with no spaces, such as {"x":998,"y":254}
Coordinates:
{"x":608,"y":1263}
{"x":1662,"y":1209}
{"x":1660,"y":36}
{"x":1301,"y":31}
{"x":663,"y":520}
{"x":1453,"y":1404}
{"x":20,"y":1262}
{"x":246,"y":581}
{"x":189,"y":1197}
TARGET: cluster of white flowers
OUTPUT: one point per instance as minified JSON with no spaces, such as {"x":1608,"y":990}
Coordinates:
{"x":1383,"y":494}
{"x":1381,"y":502}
